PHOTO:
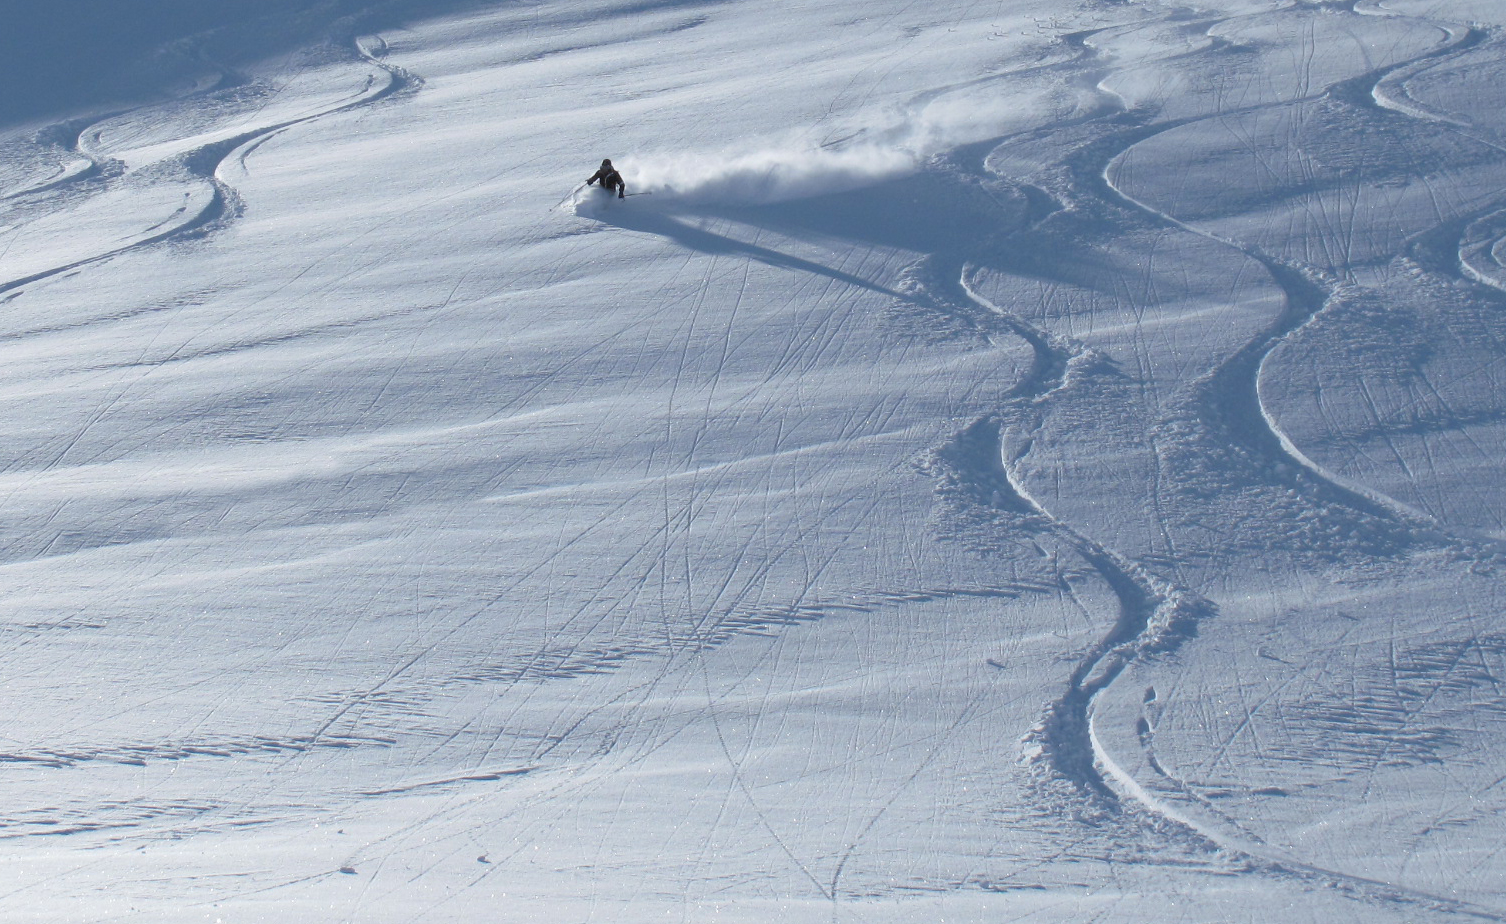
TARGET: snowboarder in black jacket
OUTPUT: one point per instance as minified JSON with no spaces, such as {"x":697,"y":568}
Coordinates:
{"x":610,"y":179}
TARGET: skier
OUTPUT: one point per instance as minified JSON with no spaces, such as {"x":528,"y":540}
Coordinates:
{"x":610,"y":179}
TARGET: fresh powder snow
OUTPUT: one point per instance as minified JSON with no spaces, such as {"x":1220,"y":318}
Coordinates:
{"x":1024,"y":460}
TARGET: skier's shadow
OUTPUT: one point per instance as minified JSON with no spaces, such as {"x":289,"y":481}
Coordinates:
{"x":930,"y":212}
{"x":678,"y":223}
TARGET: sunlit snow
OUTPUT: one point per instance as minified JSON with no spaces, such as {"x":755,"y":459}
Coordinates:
{"x":1008,"y":461}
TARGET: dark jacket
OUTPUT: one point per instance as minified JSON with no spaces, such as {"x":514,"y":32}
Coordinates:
{"x":610,"y":179}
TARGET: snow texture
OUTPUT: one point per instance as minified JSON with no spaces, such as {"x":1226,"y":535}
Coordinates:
{"x":1016,"y":461}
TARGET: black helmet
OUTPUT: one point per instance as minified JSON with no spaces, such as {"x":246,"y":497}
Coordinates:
{"x":606,"y":163}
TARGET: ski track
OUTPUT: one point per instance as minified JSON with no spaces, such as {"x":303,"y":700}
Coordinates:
{"x":1234,"y":389}
{"x":1156,"y":616}
{"x":1306,"y":293}
{"x":204,"y":163}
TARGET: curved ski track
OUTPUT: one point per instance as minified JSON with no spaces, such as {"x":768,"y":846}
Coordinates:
{"x":204,"y":163}
{"x":1156,"y":615}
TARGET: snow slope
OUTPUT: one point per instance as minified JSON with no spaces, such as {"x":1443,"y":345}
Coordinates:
{"x":1022,"y":462}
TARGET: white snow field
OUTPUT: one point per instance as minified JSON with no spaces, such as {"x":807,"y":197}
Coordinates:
{"x":1026,"y":460}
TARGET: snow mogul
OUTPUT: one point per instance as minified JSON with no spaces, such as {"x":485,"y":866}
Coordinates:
{"x":610,"y":179}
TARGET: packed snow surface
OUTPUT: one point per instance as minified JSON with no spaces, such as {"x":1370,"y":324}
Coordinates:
{"x":1016,"y":461}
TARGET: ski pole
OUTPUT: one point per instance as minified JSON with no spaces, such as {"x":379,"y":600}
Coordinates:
{"x":570,"y":195}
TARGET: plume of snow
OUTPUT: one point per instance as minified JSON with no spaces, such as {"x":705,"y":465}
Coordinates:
{"x":773,"y":174}
{"x":787,"y":169}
